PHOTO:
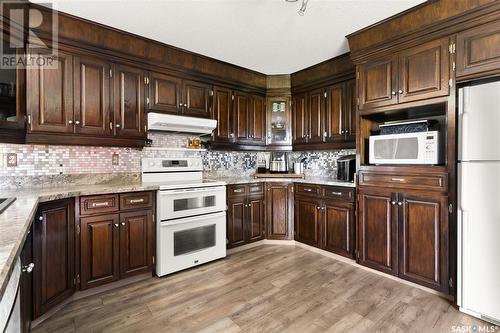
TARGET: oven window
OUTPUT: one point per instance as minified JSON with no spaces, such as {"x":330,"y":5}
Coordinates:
{"x":194,"y":203}
{"x":195,"y":239}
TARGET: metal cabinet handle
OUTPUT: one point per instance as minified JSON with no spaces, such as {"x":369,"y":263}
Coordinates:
{"x":337,"y":193}
{"x":100,"y":204}
{"x":393,"y":203}
{"x":307,"y":190}
{"x":400,"y":203}
{"x":123,"y":223}
{"x":398,"y":179}
{"x":318,"y":207}
{"x":28,"y":268}
{"x":116,"y":225}
{"x":238,"y":191}
{"x":77,"y":122}
{"x":185,"y":105}
{"x":346,"y":131}
{"x":40,"y":218}
{"x":132,"y":201}
{"x":70,"y":122}
{"x":400,"y":91}
{"x":117,"y":125}
{"x":180,"y":105}
{"x":393,"y":93}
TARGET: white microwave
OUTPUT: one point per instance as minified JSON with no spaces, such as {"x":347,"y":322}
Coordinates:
{"x":406,"y":148}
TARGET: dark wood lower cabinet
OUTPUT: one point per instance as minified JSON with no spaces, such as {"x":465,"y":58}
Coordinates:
{"x":255,"y":217}
{"x":338,"y":228}
{"x":54,"y":255}
{"x":405,"y":234}
{"x":236,"y":222}
{"x":279,"y":210}
{"x":99,"y":250}
{"x":245,"y":219}
{"x":26,"y":284}
{"x":308,"y":220}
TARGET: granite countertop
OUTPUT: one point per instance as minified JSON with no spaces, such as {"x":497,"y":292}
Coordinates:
{"x":308,"y":180}
{"x":16,"y":220}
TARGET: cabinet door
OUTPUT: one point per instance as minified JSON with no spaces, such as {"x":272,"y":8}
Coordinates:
{"x":222,"y":112}
{"x":424,"y":71}
{"x":99,"y":251}
{"x":257,"y":120}
{"x":236,"y":222}
{"x":241,"y":112}
{"x":164,"y":93}
{"x":378,"y":83}
{"x":351,"y":107}
{"x":423,"y":239}
{"x":316,"y":112}
{"x":279,"y":210}
{"x":26,"y":283}
{"x":308,"y":221}
{"x":279,"y":121}
{"x":50,"y":96}
{"x":255,"y":219}
{"x":92,"y":96}
{"x":478,"y":49}
{"x":195,"y":98}
{"x":129,"y":102}
{"x":300,"y":121}
{"x":334,"y":120}
{"x":54,"y":255}
{"x":377,"y":230}
{"x":338,"y":228}
{"x":136,"y":243}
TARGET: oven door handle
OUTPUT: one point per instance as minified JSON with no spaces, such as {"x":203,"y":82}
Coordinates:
{"x":194,"y":190}
{"x":168,"y":223}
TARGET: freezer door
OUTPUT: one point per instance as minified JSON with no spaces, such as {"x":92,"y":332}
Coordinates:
{"x":479,"y":122}
{"x":479,"y":238}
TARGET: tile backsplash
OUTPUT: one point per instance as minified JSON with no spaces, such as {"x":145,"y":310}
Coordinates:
{"x":42,"y":165}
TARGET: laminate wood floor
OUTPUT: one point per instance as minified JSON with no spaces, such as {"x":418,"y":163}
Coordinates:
{"x":269,"y":288}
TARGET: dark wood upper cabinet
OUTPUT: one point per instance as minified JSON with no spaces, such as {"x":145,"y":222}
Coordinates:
{"x":424,"y":71}
{"x":351,"y":107}
{"x":196,"y":99}
{"x":129,"y":101}
{"x":334,"y":119}
{"x":223,"y":113}
{"x":316,"y":112}
{"x":377,"y":234}
{"x":50,"y":96}
{"x":241,"y":110}
{"x":54,"y":255}
{"x":377,"y":81}
{"x":164,"y":93}
{"x":279,"y":121}
{"x":308,"y":220}
{"x":257,"y":120}
{"x":338,"y":227}
{"x":279,"y":210}
{"x":92,"y":96}
{"x":423,"y":239}
{"x":255,"y":218}
{"x":478,"y":50}
{"x":99,"y":243}
{"x":300,"y":121}
{"x":236,"y":222}
{"x":136,"y":248}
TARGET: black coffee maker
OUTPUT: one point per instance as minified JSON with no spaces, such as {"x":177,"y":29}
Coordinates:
{"x":346,"y":168}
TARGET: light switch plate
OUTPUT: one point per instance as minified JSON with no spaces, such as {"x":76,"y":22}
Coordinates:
{"x":11,"y":159}
{"x":115,"y":159}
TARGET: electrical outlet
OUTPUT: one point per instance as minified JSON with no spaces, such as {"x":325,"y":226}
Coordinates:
{"x":11,"y":159}
{"x":115,"y":159}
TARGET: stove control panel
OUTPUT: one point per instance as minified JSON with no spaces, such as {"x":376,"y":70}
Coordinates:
{"x":172,"y":164}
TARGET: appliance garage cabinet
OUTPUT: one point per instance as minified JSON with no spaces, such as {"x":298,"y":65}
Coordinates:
{"x":98,"y":240}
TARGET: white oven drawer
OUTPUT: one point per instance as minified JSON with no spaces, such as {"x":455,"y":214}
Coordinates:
{"x":189,"y":242}
{"x":174,"y":204}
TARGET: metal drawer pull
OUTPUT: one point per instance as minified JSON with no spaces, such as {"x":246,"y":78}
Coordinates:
{"x":28,"y":268}
{"x":337,"y":193}
{"x":238,"y":191}
{"x":132,"y":201}
{"x":398,"y":179}
{"x":100,"y":204}
{"x":307,"y":190}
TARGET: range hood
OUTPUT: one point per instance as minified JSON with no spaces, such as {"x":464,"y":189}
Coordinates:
{"x":180,"y":124}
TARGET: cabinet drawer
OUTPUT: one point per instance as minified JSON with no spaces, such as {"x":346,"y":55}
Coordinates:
{"x":98,"y":204}
{"x":338,"y":193}
{"x":256,"y":189}
{"x":236,"y":190}
{"x":433,"y":182}
{"x":136,"y":200}
{"x":307,"y":189}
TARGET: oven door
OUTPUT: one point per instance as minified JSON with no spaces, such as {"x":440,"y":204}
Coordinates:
{"x":174,"y":204}
{"x":189,"y":242}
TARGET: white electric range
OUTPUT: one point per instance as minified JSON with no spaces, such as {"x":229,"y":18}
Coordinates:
{"x":191,"y":213}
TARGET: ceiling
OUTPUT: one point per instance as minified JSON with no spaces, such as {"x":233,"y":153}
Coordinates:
{"x":264,"y":35}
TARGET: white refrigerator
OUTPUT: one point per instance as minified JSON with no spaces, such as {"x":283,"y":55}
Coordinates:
{"x":478,"y":283}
